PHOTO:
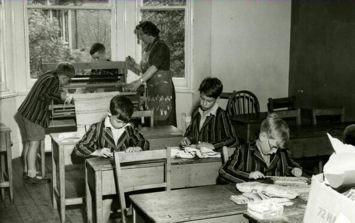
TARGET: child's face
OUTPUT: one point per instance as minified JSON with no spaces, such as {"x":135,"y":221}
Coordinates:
{"x":206,"y":102}
{"x":99,"y":56}
{"x":271,"y":143}
{"x":63,"y":79}
{"x":116,"y":120}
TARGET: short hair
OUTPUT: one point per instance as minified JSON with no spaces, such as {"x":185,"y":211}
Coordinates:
{"x":65,"y":68}
{"x":97,"y":47}
{"x":211,"y":87}
{"x":124,"y":104}
{"x":148,"y":28}
{"x":349,"y":135}
{"x":273,"y":126}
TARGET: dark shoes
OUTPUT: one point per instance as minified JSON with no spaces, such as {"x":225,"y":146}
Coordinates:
{"x":35,"y":180}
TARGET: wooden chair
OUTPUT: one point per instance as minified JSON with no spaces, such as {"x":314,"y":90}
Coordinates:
{"x":285,"y":108}
{"x":6,"y":162}
{"x":241,"y":102}
{"x":318,"y":112}
{"x":160,"y":158}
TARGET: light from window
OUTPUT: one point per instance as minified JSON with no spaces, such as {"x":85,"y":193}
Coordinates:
{"x":172,"y":30}
{"x":65,"y":34}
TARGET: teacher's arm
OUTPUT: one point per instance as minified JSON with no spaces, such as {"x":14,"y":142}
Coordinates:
{"x":145,"y":77}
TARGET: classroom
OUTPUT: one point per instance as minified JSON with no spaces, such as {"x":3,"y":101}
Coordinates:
{"x":177,"y":111}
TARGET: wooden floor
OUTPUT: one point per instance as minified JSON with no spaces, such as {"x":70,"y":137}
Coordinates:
{"x":33,"y":203}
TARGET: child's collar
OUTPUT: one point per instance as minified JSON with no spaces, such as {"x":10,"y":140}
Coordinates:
{"x":211,"y":111}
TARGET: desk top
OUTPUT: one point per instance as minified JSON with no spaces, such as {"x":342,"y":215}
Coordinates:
{"x":188,"y":204}
{"x":105,"y":164}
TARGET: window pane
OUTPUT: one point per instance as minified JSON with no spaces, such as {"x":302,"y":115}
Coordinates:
{"x":172,"y":31}
{"x":69,"y":2}
{"x":65,"y":35}
{"x":164,"y":2}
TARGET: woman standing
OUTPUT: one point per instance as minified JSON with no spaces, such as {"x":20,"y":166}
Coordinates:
{"x":155,"y":69}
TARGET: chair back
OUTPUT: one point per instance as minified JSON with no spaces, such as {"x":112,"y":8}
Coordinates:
{"x":126,"y":162}
{"x":285,"y":108}
{"x":318,"y":112}
{"x":241,"y":102}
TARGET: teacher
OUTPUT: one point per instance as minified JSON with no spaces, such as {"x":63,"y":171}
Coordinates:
{"x":155,"y":69}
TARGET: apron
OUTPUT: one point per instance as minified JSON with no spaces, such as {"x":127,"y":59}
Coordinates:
{"x":160,"y":93}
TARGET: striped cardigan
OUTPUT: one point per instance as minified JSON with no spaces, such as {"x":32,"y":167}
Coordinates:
{"x":247,"y":158}
{"x":99,"y":136}
{"x":36,"y":104}
{"x":217,"y":130}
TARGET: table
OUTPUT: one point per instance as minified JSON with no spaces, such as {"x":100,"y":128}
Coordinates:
{"x":61,"y":157}
{"x":6,"y":162}
{"x":201,"y":204}
{"x":184,"y":173}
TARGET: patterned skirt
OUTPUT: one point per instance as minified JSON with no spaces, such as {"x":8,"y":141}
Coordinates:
{"x":161,"y":98}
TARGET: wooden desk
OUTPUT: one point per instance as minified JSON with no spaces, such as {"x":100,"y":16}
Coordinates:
{"x":184,"y":173}
{"x":61,"y":157}
{"x":201,"y":204}
{"x":291,"y":214}
{"x":6,"y":162}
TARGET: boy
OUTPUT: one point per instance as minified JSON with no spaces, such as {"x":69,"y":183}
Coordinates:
{"x":114,"y":133}
{"x":267,"y":156}
{"x":33,"y":114}
{"x":210,"y":126}
{"x":98,"y":54}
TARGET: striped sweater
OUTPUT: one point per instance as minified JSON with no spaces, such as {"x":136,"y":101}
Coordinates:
{"x":99,"y":136}
{"x":217,"y":130}
{"x":247,"y":158}
{"x":36,"y":104}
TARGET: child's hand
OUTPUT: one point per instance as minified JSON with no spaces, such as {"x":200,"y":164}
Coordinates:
{"x":256,"y":175}
{"x":205,"y":145}
{"x":185,"y":142}
{"x":133,"y":149}
{"x":104,"y":152}
{"x":297,"y":172}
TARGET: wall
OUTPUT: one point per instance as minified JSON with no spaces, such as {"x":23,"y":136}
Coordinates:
{"x":322,"y":55}
{"x":250,"y":46}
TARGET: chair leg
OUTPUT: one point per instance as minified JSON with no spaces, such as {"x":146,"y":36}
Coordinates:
{"x":134,"y":216}
{"x":2,"y":174}
{"x":9,"y":173}
{"x":43,"y":159}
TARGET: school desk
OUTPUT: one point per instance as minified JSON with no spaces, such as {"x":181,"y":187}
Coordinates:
{"x":61,"y":157}
{"x":100,"y":179}
{"x":210,"y":204}
{"x":6,"y":162}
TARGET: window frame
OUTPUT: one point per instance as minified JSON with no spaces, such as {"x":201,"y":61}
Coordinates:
{"x":181,"y":83}
{"x":111,"y":5}
{"x":3,"y":85}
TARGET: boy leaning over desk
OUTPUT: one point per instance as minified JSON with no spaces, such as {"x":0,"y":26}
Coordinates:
{"x":114,"y":133}
{"x":33,"y":115}
{"x":267,"y":156}
{"x":210,"y":125}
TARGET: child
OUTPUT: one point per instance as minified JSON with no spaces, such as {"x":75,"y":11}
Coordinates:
{"x":267,"y":156}
{"x":114,"y":133}
{"x":349,"y":135}
{"x":33,"y":114}
{"x":98,"y":54}
{"x":210,"y":126}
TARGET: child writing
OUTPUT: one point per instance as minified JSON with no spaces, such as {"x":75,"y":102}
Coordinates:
{"x":210,"y":126}
{"x":33,"y":114}
{"x":114,"y":133}
{"x":267,"y":156}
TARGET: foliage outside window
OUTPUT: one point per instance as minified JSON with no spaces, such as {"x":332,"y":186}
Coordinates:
{"x":65,"y":30}
{"x":169,"y":16}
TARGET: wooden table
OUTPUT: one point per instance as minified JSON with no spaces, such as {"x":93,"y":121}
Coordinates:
{"x":6,"y":162}
{"x":202,"y":204}
{"x":184,"y":173}
{"x":61,"y":157}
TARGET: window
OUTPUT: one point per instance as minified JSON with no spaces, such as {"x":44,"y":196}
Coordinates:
{"x":64,"y":30}
{"x":173,"y":19}
{"x":2,"y":38}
